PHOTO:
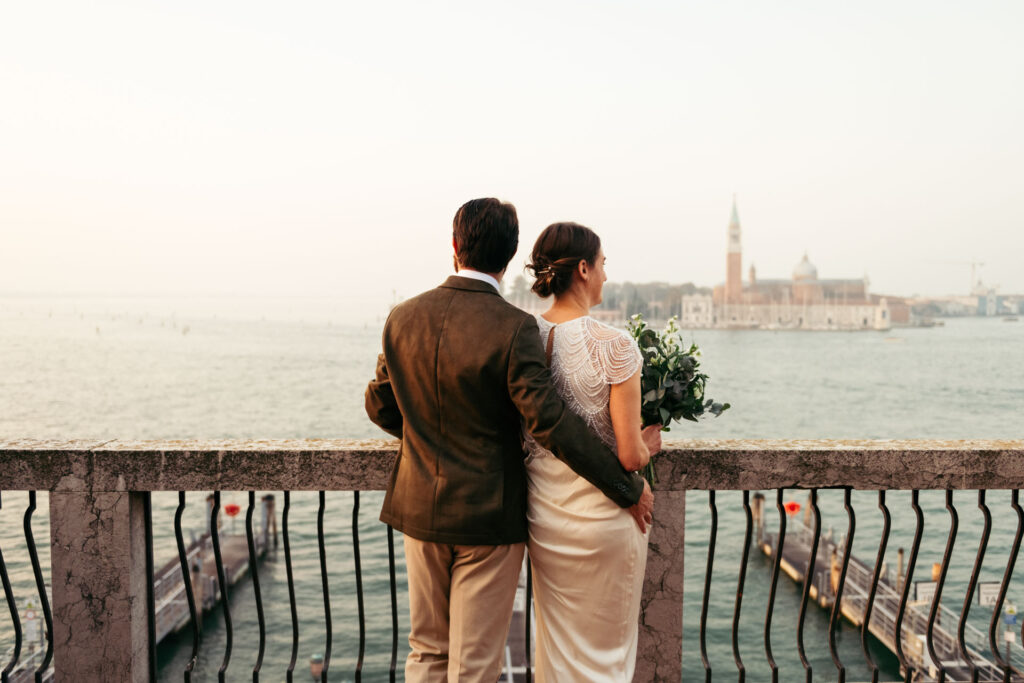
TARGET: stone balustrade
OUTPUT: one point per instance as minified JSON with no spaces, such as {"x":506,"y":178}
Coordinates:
{"x":97,"y":514}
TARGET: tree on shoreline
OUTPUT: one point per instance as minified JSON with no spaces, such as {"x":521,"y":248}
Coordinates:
{"x":653,"y":300}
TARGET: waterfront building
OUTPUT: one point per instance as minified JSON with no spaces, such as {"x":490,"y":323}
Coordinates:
{"x":697,"y":311}
{"x":803,"y":301}
{"x":990,"y":302}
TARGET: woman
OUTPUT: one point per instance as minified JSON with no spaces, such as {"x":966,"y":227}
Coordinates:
{"x":587,"y":554}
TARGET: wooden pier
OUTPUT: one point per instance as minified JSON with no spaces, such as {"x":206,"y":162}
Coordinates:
{"x":172,"y":613}
{"x":824,"y":583}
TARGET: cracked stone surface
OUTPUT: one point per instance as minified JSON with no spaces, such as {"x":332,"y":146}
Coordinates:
{"x":881,"y":464}
{"x":97,"y":595}
{"x":345,"y":464}
{"x":660,"y":647}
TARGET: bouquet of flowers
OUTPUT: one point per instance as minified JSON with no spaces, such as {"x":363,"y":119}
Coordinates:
{"x":671,"y":383}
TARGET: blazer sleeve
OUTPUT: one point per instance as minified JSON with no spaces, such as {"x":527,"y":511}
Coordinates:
{"x":381,"y":406}
{"x":555,"y":427}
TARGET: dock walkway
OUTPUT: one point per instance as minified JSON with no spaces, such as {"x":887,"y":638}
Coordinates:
{"x":794,"y":562}
{"x":172,"y":613}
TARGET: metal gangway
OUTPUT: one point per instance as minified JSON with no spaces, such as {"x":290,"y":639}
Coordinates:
{"x":169,"y":592}
{"x":885,"y":610}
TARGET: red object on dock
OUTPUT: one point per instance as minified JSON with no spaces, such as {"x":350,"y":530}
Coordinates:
{"x":792,"y":507}
{"x":233,"y":509}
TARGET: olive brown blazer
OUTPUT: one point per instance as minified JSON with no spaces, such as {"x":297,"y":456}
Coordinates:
{"x":462,"y":373}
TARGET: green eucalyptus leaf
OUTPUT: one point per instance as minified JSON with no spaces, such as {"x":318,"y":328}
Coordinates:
{"x":671,"y":384}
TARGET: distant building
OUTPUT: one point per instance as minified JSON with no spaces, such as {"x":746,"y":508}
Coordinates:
{"x":801,"y":302}
{"x":697,"y":311}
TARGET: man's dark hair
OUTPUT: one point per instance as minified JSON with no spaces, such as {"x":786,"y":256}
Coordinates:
{"x":486,"y":233}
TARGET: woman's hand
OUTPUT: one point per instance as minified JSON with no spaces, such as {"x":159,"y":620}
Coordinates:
{"x":651,"y":436}
{"x":643,"y":509}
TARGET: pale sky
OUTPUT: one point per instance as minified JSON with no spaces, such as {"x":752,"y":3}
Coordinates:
{"x":323,"y":147}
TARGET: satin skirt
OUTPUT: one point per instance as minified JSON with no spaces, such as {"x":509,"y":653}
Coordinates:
{"x":588,"y":559}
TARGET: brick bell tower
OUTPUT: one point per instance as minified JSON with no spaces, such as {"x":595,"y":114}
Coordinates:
{"x":734,"y":260}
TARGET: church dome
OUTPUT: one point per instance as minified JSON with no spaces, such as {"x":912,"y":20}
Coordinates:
{"x":805,"y":270}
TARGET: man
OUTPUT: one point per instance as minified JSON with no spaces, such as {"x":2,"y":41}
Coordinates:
{"x":461,"y":374}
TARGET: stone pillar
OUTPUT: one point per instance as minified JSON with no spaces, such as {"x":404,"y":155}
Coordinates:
{"x":98,"y":559}
{"x":757,"y":514}
{"x":660,"y":650}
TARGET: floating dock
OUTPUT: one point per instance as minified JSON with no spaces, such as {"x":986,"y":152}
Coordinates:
{"x":172,"y":613}
{"x":827,"y":568}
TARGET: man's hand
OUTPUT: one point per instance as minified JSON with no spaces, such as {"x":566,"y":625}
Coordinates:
{"x":643,"y":509}
{"x":651,"y":436}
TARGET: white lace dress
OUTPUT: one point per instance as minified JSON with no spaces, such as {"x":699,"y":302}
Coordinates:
{"x":587,"y":553}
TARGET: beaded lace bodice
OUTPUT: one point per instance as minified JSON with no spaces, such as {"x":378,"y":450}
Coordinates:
{"x":587,"y":357}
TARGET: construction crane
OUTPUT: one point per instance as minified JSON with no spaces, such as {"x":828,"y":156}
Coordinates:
{"x":975,"y":265}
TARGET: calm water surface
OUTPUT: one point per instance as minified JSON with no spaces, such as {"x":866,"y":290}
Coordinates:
{"x":294,"y":368}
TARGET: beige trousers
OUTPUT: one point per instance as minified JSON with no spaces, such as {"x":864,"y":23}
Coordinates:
{"x":460,"y":607}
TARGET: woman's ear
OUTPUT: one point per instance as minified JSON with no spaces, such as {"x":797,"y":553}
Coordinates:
{"x":581,"y":268}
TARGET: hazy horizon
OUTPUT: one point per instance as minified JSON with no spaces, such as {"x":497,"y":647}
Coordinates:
{"x":244,"y":149}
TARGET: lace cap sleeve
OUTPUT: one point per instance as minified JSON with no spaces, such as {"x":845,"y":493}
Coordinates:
{"x":618,"y":354}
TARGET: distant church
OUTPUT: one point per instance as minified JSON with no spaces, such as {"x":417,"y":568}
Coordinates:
{"x":802,"y":302}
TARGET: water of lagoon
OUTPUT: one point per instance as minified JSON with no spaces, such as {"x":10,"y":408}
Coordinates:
{"x":289,"y":368}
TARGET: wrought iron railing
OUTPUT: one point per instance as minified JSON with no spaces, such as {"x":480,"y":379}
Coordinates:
{"x":101,"y":528}
{"x":930,"y":640}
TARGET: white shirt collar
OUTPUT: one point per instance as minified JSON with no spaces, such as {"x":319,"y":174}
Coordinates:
{"x":477,"y":275}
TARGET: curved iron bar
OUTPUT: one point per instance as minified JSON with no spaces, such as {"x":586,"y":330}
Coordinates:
{"x":394,"y":604}
{"x":529,"y":604}
{"x":937,"y":597}
{"x":997,"y":609}
{"x":739,"y":589}
{"x":222,"y":584}
{"x":869,"y":606}
{"x":254,"y":570}
{"x":775,"y":582}
{"x":326,"y":588}
{"x":359,"y":586}
{"x":898,"y":626}
{"x":147,"y":508}
{"x":290,"y":672}
{"x":707,"y":586}
{"x":808,"y":580}
{"x":186,"y":576}
{"x":837,"y":606}
{"x":40,"y":586}
{"x":972,"y":584}
{"x":15,"y":618}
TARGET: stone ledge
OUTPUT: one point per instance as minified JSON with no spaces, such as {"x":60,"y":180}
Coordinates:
{"x":347,"y":464}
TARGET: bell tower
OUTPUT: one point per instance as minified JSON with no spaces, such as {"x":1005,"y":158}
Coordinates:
{"x":734,"y":260}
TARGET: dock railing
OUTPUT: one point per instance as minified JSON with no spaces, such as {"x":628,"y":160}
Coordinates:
{"x":103,"y":598}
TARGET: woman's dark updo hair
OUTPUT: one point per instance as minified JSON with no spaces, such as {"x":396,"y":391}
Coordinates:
{"x":556,"y":255}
